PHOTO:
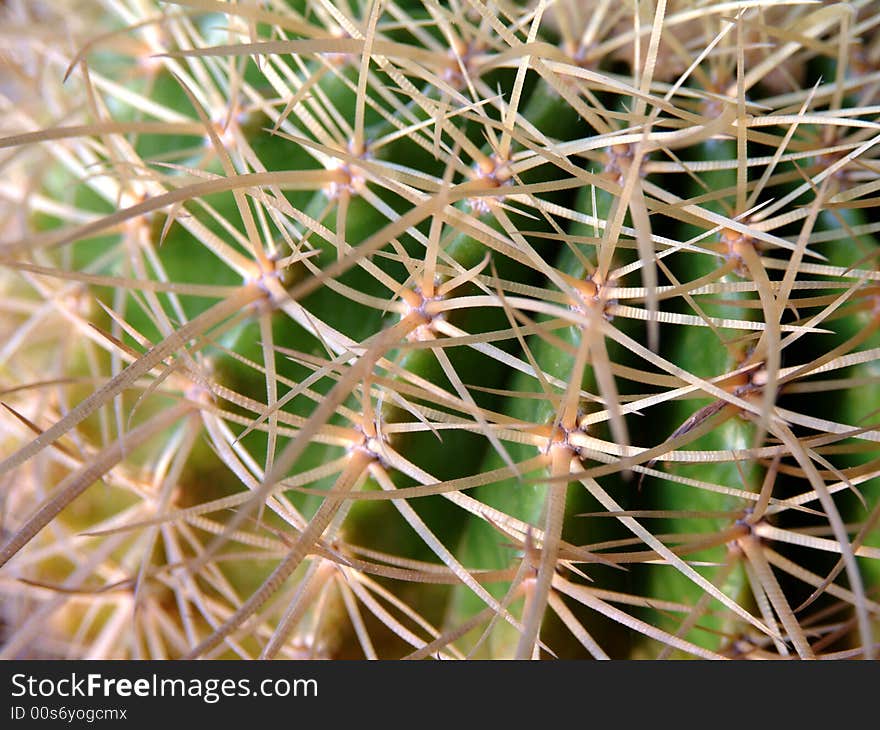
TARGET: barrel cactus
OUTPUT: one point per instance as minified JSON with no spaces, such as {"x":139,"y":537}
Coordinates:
{"x":407,"y":329}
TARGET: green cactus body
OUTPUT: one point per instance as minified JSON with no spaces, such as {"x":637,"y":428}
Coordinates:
{"x":709,"y":353}
{"x":858,"y":405}
{"x":324,"y":332}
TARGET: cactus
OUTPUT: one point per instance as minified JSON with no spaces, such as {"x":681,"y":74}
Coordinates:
{"x":406,"y":329}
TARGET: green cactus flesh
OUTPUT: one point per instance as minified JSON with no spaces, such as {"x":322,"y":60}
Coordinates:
{"x":412,"y":329}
